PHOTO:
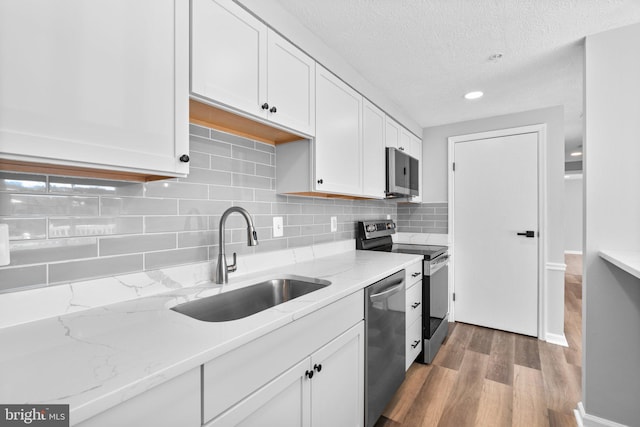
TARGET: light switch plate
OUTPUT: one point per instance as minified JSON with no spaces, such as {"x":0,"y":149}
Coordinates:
{"x":278,"y":228}
{"x":334,"y":224}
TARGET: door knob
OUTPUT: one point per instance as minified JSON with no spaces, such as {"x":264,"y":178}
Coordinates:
{"x":528,"y":233}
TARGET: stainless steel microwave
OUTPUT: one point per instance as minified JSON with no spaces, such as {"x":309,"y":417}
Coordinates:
{"x":402,"y":174}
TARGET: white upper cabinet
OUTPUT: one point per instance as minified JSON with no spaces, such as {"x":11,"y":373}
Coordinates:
{"x":99,"y":85}
{"x":291,"y":86}
{"x":392,"y":133}
{"x":338,"y":142}
{"x":405,"y":141}
{"x":228,"y":55}
{"x":416,"y":151}
{"x":240,"y":64}
{"x":373,"y":141}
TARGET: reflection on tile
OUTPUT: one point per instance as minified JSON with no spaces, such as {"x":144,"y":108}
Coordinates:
{"x":204,"y":145}
{"x":42,"y":251}
{"x":253,"y":181}
{"x":207,"y":176}
{"x":261,"y":146}
{"x":232,"y":139}
{"x":135,"y":244}
{"x":20,"y":277}
{"x":10,"y":181}
{"x":67,"y":185}
{"x":202,"y":207}
{"x":26,"y":228}
{"x":155,"y":260}
{"x":219,"y":192}
{"x":158,"y":224}
{"x":250,"y":155}
{"x":202,"y":238}
{"x":138,"y":206}
{"x":93,"y":226}
{"x":199,"y":130}
{"x":26,"y":205}
{"x":98,"y":267}
{"x":176,"y":190}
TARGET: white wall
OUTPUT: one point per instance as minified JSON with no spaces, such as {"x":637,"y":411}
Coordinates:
{"x":573,"y":213}
{"x":611,"y":297}
{"x":287,"y":25}
{"x":435,"y":185}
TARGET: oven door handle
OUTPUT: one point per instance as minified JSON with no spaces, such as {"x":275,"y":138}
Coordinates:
{"x":392,"y":289}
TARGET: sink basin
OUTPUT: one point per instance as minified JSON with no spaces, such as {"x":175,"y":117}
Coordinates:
{"x":251,"y":299}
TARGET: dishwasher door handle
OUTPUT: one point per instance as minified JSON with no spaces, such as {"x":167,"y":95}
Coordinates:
{"x":394,"y":288}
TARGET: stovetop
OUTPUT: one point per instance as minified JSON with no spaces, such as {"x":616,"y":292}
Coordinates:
{"x":376,"y":236}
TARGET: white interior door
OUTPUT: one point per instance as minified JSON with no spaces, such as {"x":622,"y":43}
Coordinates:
{"x":495,"y":198}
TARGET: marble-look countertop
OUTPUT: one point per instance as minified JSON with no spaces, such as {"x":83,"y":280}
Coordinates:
{"x":96,"y":358}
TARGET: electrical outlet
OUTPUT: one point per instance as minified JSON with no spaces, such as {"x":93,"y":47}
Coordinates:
{"x":334,"y":224}
{"x":388,"y":216}
{"x":278,"y":229}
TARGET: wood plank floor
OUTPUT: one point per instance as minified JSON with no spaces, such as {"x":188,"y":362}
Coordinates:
{"x":484,"y":377}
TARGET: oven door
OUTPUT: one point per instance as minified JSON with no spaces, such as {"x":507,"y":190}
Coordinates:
{"x":436,"y":287}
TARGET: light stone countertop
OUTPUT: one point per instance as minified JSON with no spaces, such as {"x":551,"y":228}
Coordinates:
{"x":96,"y":358}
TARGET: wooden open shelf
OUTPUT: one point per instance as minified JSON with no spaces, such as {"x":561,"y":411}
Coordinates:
{"x":217,"y":118}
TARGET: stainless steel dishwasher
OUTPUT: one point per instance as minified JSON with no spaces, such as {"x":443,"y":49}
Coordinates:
{"x":385,"y":343}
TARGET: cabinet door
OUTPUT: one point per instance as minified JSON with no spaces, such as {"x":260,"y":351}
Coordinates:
{"x":416,"y":151}
{"x":102,"y":85}
{"x":373,"y":158}
{"x":338,"y":383}
{"x":174,"y":403}
{"x":338,"y":143}
{"x":392,"y":134}
{"x":228,"y":55}
{"x":291,"y":85}
{"x":405,"y":141}
{"x":283,"y":402}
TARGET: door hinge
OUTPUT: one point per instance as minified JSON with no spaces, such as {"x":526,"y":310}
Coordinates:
{"x":454,"y":166}
{"x":454,"y":296}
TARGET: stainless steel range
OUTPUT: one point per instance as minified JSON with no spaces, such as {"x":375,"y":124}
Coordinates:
{"x":376,"y":236}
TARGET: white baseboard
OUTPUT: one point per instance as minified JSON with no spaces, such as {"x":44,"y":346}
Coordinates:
{"x":573,"y":252}
{"x":557,"y":339}
{"x":585,"y":420}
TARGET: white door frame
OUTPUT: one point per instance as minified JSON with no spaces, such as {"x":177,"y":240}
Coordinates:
{"x":541,"y":130}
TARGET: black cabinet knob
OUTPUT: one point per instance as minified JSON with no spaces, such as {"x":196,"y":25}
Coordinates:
{"x":265,"y":106}
{"x":273,"y":110}
{"x":317,"y":367}
{"x":184,"y":158}
{"x":320,"y":181}
{"x":309,"y":374}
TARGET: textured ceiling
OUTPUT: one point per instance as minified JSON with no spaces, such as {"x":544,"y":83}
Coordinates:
{"x":426,"y":54}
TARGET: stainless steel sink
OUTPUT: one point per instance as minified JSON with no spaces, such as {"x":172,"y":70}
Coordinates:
{"x":251,"y":299}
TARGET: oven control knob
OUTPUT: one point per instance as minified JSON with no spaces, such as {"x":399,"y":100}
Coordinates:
{"x":371,"y":228}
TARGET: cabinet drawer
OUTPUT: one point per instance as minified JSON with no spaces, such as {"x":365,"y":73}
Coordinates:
{"x":414,"y":302}
{"x":414,"y":341}
{"x":413,"y":273}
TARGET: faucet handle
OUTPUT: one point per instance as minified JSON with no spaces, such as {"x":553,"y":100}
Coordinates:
{"x":233,"y":267}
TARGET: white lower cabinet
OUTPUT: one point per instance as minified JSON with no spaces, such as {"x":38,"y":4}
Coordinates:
{"x":171,"y":404}
{"x":413,"y":278}
{"x":309,"y":372}
{"x":325,"y":389}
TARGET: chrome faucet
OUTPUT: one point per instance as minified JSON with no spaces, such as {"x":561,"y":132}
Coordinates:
{"x":223,"y":270}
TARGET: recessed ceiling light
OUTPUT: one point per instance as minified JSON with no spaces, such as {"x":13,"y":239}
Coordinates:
{"x":474,"y":95}
{"x":576,"y":153}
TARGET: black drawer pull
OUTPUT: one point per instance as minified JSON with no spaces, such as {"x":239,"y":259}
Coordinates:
{"x":415,"y":344}
{"x":416,"y":274}
{"x":415,"y":305}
